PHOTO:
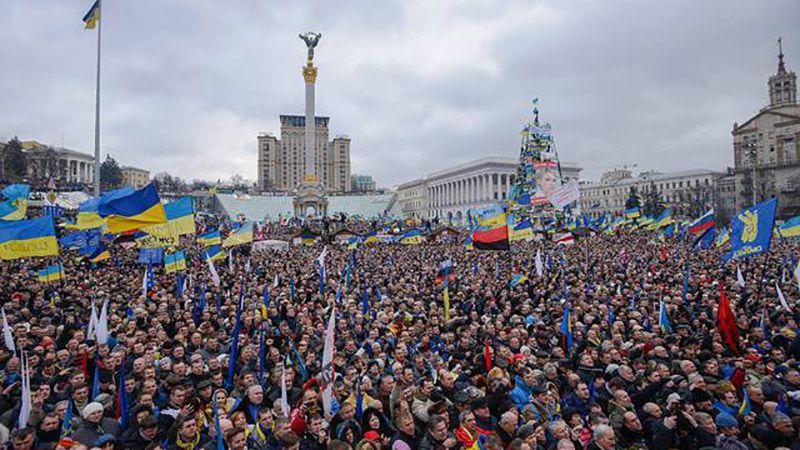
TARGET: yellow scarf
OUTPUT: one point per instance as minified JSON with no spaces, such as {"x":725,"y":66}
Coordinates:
{"x":187,"y":445}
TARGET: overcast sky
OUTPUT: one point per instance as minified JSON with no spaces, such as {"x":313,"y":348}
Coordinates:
{"x":417,"y":85}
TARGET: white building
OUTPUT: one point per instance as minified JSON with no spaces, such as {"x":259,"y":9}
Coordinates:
{"x":451,"y":192}
{"x":62,"y":165}
{"x":686,"y":191}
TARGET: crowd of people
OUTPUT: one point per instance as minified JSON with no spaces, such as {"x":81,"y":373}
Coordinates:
{"x":494,"y":370}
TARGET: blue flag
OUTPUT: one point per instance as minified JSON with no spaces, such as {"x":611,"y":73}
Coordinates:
{"x":751,"y":230}
{"x":237,"y":328}
{"x":123,"y":400}
{"x":95,"y":382}
{"x":365,"y":303}
{"x":67,"y":424}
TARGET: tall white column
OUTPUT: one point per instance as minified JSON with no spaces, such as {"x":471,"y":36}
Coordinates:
{"x":310,"y":135}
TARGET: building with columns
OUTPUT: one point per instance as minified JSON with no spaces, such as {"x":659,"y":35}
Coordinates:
{"x":449,"y":193}
{"x":61,"y":165}
{"x":766,"y":154}
{"x":134,"y":177}
{"x":689,"y":193}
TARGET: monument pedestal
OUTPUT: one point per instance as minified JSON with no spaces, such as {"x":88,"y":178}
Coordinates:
{"x":310,"y":202}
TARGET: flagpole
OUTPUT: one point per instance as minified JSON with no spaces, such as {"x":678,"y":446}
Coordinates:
{"x":97,"y":109}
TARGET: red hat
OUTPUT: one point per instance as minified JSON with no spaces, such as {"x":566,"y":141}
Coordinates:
{"x":372,"y":435}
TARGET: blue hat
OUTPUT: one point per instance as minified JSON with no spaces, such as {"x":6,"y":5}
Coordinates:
{"x":104,"y":439}
{"x":725,"y":420}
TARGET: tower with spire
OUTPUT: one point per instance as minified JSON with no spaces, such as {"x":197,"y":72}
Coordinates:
{"x":782,"y":85}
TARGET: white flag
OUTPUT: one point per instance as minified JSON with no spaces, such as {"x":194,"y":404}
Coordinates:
{"x":739,"y":277}
{"x":619,"y":290}
{"x":247,"y":265}
{"x":284,"y":397}
{"x":539,"y":265}
{"x":230,"y":262}
{"x":102,"y":324}
{"x":797,"y":274}
{"x":327,"y":364}
{"x":144,"y":283}
{"x":25,"y":399}
{"x":213,"y":271}
{"x":8,"y":336}
{"x":90,"y":332}
{"x":782,"y":298}
{"x":275,"y":281}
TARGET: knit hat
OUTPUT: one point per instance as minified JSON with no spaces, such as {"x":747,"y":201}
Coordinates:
{"x":91,"y":408}
{"x":725,"y":420}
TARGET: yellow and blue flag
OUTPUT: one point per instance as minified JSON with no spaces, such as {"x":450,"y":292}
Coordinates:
{"x":663,"y":318}
{"x":174,"y":262}
{"x":751,"y":230}
{"x":352,"y":242}
{"x":307,"y":237}
{"x":213,"y":253}
{"x":210,"y":238}
{"x":137,"y":210}
{"x":632,"y":213}
{"x":51,"y":273}
{"x":26,"y":238}
{"x":180,"y":221}
{"x":244,"y":235}
{"x":93,"y":16}
{"x":411,"y":237}
{"x":745,"y":407}
{"x":468,"y":241}
{"x":371,"y":237}
{"x":790,"y":228}
{"x":521,"y":231}
{"x":88,"y":217}
{"x":664,"y":219}
{"x":99,"y":253}
{"x":15,"y":206}
{"x":517,"y":279}
{"x":723,"y":238}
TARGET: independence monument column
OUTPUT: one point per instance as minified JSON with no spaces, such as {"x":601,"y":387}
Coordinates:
{"x":309,"y":200}
{"x":310,"y":76}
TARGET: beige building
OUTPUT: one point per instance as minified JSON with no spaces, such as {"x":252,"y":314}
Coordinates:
{"x":134,"y":177}
{"x":61,"y":165}
{"x":686,"y":192}
{"x":281,"y":162}
{"x":449,"y":193}
{"x":765,"y":148}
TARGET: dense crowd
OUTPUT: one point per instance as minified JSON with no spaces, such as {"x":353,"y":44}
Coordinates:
{"x":499,"y":374}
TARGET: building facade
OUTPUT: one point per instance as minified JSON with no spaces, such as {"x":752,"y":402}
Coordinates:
{"x":686,"y":192}
{"x":61,"y":165}
{"x":766,"y":154}
{"x":281,"y":161}
{"x":362,"y":183}
{"x":134,"y":177}
{"x":449,"y":193}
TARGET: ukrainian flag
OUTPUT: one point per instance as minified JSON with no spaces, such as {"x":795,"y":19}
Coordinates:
{"x":25,"y":238}
{"x":51,"y":273}
{"x":213,"y":253}
{"x":521,"y":231}
{"x":353,"y":242}
{"x":468,"y":241}
{"x":307,"y":237}
{"x":210,"y":238}
{"x":91,"y":17}
{"x":244,"y":235}
{"x":140,"y":209}
{"x":88,"y":216}
{"x":411,"y":237}
{"x":180,"y":220}
{"x":517,"y":279}
{"x":723,"y":238}
{"x":99,"y":253}
{"x":664,"y":219}
{"x":791,"y":227}
{"x":174,"y":262}
{"x":632,"y":213}
{"x":371,"y":237}
{"x":16,"y":205}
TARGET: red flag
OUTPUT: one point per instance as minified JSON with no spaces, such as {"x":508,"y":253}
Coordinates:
{"x":726,"y":322}
{"x":487,"y":356}
{"x":664,"y":251}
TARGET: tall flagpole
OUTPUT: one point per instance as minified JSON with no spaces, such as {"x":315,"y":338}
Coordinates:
{"x":97,"y":108}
